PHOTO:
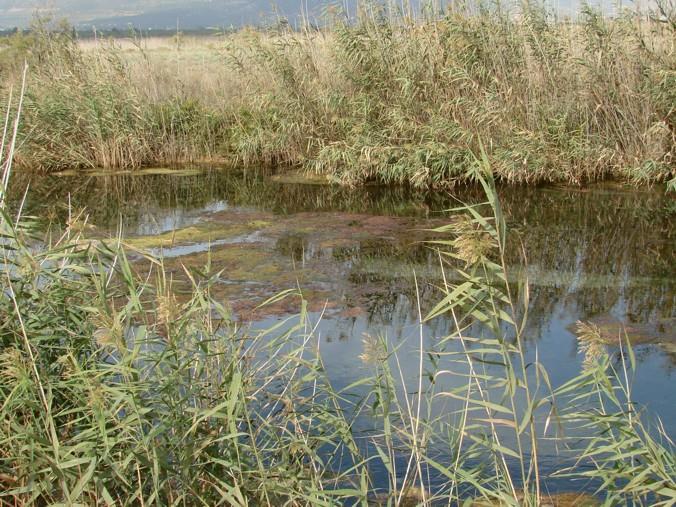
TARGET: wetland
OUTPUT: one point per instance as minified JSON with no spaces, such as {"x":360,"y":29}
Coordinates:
{"x":365,"y":262}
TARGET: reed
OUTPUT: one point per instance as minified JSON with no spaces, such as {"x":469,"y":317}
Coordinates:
{"x":115,"y":390}
{"x":385,"y":97}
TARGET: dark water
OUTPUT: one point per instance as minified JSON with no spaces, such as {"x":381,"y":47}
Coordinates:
{"x":603,"y":254}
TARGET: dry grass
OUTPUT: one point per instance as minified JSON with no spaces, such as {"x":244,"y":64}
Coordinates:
{"x":383,"y":99}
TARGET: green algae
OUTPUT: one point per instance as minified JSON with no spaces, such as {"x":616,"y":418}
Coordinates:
{"x":202,"y":233}
{"x":234,"y":262}
{"x":611,"y":331}
{"x":301,"y":178}
{"x":149,"y":171}
{"x":249,"y":276}
{"x":259,"y":224}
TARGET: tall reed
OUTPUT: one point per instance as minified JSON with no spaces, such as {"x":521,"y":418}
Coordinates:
{"x":115,"y":389}
{"x":385,"y":97}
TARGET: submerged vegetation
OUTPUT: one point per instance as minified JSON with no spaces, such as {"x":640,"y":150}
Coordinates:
{"x":113,"y":390}
{"x":383,"y":97}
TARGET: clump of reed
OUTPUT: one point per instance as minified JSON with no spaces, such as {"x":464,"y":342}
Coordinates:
{"x":85,"y":109}
{"x":114,"y":391}
{"x":554,"y":101}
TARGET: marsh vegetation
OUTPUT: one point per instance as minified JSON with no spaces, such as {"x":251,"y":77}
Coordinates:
{"x":383,"y":97}
{"x":121,"y":385}
{"x":196,"y":337}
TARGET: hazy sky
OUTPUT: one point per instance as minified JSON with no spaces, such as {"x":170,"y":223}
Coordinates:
{"x":164,"y":13}
{"x":20,"y":11}
{"x":161,"y":12}
{"x":25,"y":7}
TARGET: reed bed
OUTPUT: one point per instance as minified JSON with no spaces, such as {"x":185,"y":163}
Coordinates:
{"x":384,"y":97}
{"x":115,"y":391}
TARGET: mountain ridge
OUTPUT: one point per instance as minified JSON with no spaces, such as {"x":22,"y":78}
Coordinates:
{"x":158,"y":13}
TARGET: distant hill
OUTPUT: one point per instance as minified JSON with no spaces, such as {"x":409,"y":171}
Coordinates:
{"x":196,"y":14}
{"x":215,"y":13}
{"x":162,"y":14}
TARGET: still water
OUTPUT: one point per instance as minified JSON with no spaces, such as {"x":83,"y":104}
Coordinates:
{"x":603,"y":254}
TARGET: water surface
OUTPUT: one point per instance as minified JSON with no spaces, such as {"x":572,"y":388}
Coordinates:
{"x":603,"y":254}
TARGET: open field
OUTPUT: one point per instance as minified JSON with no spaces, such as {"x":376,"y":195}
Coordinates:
{"x":385,"y":99}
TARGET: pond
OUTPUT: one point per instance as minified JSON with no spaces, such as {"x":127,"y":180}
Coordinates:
{"x":603,"y":254}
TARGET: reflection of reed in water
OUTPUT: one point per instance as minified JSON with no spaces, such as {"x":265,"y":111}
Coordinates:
{"x":590,"y":252}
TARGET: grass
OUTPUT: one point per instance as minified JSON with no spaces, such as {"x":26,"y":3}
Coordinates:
{"x":114,"y":392}
{"x":385,"y":98}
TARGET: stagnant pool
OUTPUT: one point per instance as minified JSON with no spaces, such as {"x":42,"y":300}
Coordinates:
{"x":603,"y":254}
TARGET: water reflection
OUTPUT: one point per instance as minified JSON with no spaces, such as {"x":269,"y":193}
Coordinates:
{"x":604,"y":253}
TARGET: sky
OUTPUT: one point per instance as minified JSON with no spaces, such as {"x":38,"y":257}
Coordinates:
{"x":20,"y":11}
{"x":202,"y":12}
{"x":165,"y":13}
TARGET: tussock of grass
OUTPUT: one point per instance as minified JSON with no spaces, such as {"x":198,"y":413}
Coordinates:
{"x":384,"y":98}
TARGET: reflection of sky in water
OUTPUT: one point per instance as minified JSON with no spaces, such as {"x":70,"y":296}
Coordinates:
{"x":341,"y":342}
{"x":154,"y":222}
{"x":178,"y":251}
